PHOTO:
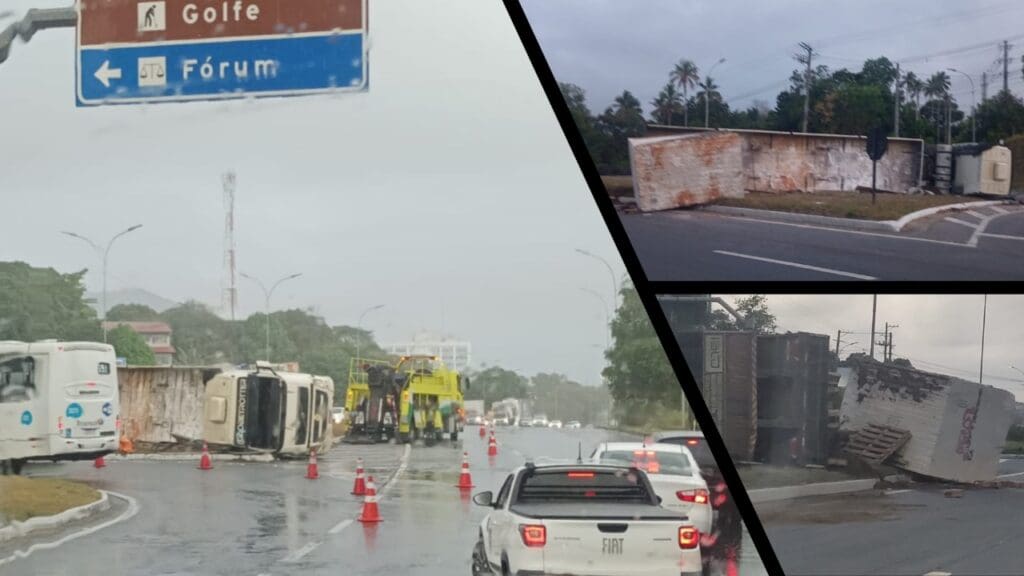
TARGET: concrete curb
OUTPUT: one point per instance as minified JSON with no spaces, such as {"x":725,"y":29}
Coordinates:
{"x":20,"y":529}
{"x":898,"y":225}
{"x":762,"y":495}
{"x":849,"y":223}
{"x":190,"y":456}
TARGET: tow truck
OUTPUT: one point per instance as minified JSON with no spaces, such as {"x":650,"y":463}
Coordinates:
{"x":416,"y":398}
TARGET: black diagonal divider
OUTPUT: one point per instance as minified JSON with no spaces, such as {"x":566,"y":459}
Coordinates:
{"x":643,"y":287}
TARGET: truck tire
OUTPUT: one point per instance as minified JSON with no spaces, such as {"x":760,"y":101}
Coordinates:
{"x":16,"y":466}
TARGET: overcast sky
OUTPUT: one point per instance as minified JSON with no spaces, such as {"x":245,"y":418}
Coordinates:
{"x":936,"y":333}
{"x":606,"y":46}
{"x":446,"y":192}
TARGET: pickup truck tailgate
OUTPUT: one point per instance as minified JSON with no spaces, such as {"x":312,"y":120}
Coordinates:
{"x":617,"y":546}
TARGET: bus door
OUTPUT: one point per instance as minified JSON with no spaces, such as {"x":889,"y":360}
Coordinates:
{"x":22,"y":408}
{"x":264,"y":400}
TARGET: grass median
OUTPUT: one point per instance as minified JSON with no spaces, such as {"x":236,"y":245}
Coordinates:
{"x":855,"y":205}
{"x":23,"y":498}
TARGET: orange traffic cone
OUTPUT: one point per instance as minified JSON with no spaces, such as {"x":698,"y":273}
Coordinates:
{"x":465,"y":481}
{"x":359,"y":489}
{"x":370,"y":512}
{"x":99,"y":462}
{"x":311,"y":469}
{"x":483,"y":431}
{"x":204,"y":460}
{"x":492,"y":445}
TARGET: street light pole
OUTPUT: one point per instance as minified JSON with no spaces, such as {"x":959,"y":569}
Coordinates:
{"x":266,"y":303}
{"x":359,"y":323}
{"x":607,"y":316}
{"x":611,"y":272}
{"x":106,"y":257}
{"x":974,"y":104}
{"x":707,"y":77}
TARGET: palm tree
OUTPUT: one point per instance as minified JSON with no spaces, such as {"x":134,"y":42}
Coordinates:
{"x":686,"y":76}
{"x":666,"y":104}
{"x":914,"y":87}
{"x":708,"y":91}
{"x":937,"y":86}
{"x":626,"y":102}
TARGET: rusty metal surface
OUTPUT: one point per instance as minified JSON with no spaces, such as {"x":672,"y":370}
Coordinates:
{"x":163,"y":404}
{"x":685,"y":171}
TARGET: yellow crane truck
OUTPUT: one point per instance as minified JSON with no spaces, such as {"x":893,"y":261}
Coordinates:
{"x":417,"y":398}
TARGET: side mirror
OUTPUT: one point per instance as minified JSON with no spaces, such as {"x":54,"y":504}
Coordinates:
{"x":484,"y":498}
{"x":659,"y":499}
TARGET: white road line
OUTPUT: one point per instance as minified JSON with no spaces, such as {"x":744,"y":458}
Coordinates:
{"x":891,"y":492}
{"x":977,"y":215}
{"x":401,"y":468}
{"x":1000,"y":209}
{"x":1010,"y":475}
{"x":133,"y":509}
{"x":1003,"y":236}
{"x":298,"y":554}
{"x":856,"y":232}
{"x":973,"y":242}
{"x":937,"y":573}
{"x":797,"y":265}
{"x":955,"y":221}
{"x":340,"y":526}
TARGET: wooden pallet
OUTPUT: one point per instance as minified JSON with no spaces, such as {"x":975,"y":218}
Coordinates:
{"x":875,"y":443}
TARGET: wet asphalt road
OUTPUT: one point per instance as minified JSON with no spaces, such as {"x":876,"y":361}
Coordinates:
{"x":693,"y":245}
{"x":899,"y":532}
{"x":266,"y":518}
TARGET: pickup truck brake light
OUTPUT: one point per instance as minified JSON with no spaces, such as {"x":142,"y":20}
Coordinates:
{"x":581,"y":474}
{"x":536,"y":535}
{"x":698,"y":496}
{"x":692,"y":442}
{"x":689,"y":537}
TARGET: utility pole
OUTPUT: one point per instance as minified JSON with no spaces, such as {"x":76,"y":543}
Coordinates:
{"x":984,"y":87}
{"x":839,"y":336}
{"x":1006,"y":66}
{"x":887,"y":341}
{"x":874,"y":309}
{"x":981,"y":367}
{"x":896,"y":109}
{"x":807,"y":79}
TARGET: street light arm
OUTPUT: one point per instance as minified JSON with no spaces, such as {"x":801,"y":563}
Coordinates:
{"x":35,"y":19}
{"x":266,"y":295}
{"x":278,"y":283}
{"x":84,"y":239}
{"x":615,"y":281}
{"x":118,"y":235}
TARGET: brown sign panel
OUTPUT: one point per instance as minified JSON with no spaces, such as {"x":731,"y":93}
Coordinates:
{"x":140,"y":21}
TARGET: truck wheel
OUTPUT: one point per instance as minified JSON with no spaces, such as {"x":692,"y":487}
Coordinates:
{"x":480,"y":565}
{"x":16,"y":466}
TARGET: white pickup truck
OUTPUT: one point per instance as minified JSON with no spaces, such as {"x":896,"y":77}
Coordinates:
{"x":582,"y":519}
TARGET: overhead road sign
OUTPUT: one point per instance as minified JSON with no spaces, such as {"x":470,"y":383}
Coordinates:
{"x":139,"y":51}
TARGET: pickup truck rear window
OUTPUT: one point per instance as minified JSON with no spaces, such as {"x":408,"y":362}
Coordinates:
{"x":582,"y":486}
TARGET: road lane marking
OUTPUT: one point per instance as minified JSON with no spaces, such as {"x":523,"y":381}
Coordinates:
{"x":856,"y":232}
{"x":973,"y":242}
{"x":1010,"y":475}
{"x":955,"y":221}
{"x":937,"y":573}
{"x":1003,"y":236}
{"x":340,"y":526}
{"x":977,"y":215}
{"x":797,"y":265}
{"x":401,"y":468}
{"x":891,"y":492}
{"x":133,"y":509}
{"x":1000,"y":210}
{"x":298,"y":554}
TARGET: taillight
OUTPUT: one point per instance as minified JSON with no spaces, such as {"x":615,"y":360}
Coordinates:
{"x":117,"y":423}
{"x":692,"y":442}
{"x":581,"y":474}
{"x":689,"y":537}
{"x":698,"y":496}
{"x":60,"y":423}
{"x":536,"y":535}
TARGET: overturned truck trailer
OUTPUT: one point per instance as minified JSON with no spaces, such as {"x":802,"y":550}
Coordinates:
{"x":929,"y":424}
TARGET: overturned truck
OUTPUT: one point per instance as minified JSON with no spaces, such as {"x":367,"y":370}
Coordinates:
{"x":928,"y":424}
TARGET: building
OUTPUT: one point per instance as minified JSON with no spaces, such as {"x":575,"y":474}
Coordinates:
{"x":157,"y":336}
{"x":456,"y":354}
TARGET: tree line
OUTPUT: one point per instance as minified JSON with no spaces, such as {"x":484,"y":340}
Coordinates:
{"x":841,"y":101}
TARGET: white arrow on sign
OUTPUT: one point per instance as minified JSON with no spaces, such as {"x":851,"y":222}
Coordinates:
{"x":105,"y":74}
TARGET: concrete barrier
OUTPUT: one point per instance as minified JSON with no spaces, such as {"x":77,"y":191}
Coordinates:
{"x":761,"y":495}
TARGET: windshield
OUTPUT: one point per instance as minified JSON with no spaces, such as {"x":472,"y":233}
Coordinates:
{"x":582,"y":486}
{"x":697,"y":447}
{"x":653,"y":462}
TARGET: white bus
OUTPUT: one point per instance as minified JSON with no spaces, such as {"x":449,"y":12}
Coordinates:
{"x":58,"y":401}
{"x":284,"y":413}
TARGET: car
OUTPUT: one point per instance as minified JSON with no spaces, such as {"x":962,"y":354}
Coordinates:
{"x":338,"y":414}
{"x":540,"y":421}
{"x":574,"y":424}
{"x":673,"y":473}
{"x":698,"y":447}
{"x":475,"y":420}
{"x":582,"y":519}
{"x":555,"y":424}
{"x":501,"y":421}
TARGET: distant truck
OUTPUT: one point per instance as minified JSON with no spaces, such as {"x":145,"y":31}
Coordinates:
{"x":474,"y":411}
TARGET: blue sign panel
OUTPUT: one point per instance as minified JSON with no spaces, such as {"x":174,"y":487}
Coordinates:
{"x":108,"y":409}
{"x":74,"y":410}
{"x":26,"y":418}
{"x":263,"y":66}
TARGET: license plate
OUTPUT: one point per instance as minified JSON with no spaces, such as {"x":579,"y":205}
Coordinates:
{"x":611,"y":546}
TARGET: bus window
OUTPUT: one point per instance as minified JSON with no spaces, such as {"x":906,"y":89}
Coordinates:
{"x":17,"y":379}
{"x":302,"y":414}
